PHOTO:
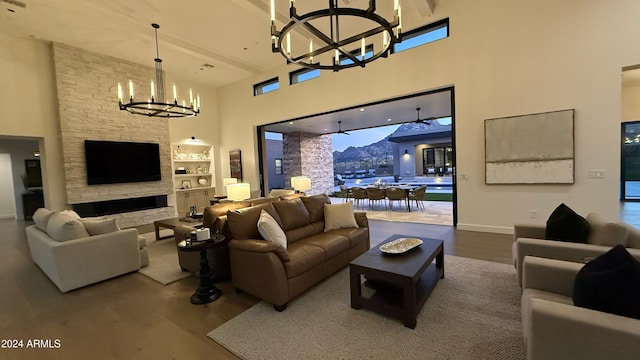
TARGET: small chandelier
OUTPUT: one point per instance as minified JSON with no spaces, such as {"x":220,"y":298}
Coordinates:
{"x":156,"y":105}
{"x":331,"y":42}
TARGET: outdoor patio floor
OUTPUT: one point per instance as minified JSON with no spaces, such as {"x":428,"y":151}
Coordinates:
{"x":435,"y":212}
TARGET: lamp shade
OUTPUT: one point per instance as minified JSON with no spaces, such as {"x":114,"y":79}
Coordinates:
{"x":227,"y":181}
{"x":238,"y":192}
{"x":301,"y":183}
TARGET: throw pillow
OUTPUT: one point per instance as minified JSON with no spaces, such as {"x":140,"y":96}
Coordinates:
{"x":63,"y":227}
{"x":71,"y":213}
{"x":41,"y":218}
{"x":565,"y":225}
{"x":239,"y":219}
{"x":339,"y":216}
{"x":605,"y":233}
{"x":271,"y":230}
{"x":101,"y":226}
{"x":610,"y":283}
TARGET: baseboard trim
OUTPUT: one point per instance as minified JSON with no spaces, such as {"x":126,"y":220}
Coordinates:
{"x":8,"y":216}
{"x":486,"y":228}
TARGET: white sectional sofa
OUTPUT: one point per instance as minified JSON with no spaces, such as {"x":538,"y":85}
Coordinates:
{"x":62,"y":245}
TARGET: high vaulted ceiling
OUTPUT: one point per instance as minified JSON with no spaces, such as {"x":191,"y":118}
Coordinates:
{"x":214,"y":43}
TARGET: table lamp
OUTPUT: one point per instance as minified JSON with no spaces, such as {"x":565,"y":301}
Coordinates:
{"x":238,"y":192}
{"x":301,"y":183}
{"x":227,"y":181}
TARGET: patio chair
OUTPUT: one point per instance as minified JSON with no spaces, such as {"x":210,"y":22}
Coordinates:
{"x":345,"y":193}
{"x":358,"y":194}
{"x":418,"y":195}
{"x":396,"y":194}
{"x":376,"y":195}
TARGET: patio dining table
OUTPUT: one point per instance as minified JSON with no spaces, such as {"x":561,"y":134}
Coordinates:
{"x":407,"y":189}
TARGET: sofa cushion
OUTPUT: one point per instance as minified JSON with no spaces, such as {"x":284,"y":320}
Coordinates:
{"x":331,"y":243}
{"x":606,"y":233}
{"x":315,"y":206}
{"x":293,"y":213}
{"x":356,"y":236}
{"x":262,"y":200}
{"x":291,"y":196}
{"x":302,"y":258}
{"x":565,"y":224}
{"x":63,"y":227}
{"x":243,"y":222}
{"x":41,"y":218}
{"x":270,"y":230}
{"x":102,"y":226}
{"x":610,"y":283}
{"x":339,"y":216}
{"x":211,"y":213}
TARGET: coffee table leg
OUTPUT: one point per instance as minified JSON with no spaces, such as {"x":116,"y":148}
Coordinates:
{"x":440,"y":263}
{"x":356,"y":288}
{"x":409,"y":299}
{"x":157,"y":232}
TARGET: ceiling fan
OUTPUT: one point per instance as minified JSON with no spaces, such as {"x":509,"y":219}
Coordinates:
{"x":340,"y":131}
{"x":426,"y":121}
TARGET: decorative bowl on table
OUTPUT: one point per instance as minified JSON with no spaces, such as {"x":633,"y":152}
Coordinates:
{"x":400,"y":245}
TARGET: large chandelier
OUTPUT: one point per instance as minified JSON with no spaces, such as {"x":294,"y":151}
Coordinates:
{"x":156,"y":106}
{"x":375,"y":36}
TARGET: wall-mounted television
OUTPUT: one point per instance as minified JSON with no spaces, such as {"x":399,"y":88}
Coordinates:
{"x":111,"y":162}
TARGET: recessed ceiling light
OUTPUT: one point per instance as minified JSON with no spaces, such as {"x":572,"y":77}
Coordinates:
{"x":326,"y":129}
{"x":388,"y":119}
{"x":361,"y":109}
{"x":290,"y":122}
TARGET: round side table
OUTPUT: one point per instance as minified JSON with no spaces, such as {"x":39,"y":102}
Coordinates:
{"x":207,"y":291}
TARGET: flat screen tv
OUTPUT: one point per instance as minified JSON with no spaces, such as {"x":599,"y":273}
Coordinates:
{"x":111,"y":162}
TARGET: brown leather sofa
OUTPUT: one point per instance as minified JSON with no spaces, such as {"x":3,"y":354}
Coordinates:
{"x":275,"y":275}
{"x":218,"y":257}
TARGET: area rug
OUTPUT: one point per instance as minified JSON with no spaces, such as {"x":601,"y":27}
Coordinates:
{"x":163,"y":260}
{"x":473,"y":313}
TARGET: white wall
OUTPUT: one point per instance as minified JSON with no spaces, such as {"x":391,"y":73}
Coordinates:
{"x":30,"y":107}
{"x":631,"y":103}
{"x":503,"y":58}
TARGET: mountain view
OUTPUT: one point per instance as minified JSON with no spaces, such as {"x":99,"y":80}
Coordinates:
{"x":377,"y":156}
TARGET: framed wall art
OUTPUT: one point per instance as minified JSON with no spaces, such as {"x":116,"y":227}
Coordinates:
{"x":530,"y":149}
{"x":235,"y":164}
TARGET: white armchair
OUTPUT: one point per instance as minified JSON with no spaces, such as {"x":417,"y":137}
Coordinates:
{"x":554,"y":328}
{"x":529,"y":241}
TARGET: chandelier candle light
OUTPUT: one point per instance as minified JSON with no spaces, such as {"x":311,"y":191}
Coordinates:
{"x":156,"y":105}
{"x":330,"y":40}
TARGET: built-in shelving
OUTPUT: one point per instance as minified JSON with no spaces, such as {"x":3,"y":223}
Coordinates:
{"x":194,"y":187}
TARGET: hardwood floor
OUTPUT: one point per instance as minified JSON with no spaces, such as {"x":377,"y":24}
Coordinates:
{"x":134,"y":317}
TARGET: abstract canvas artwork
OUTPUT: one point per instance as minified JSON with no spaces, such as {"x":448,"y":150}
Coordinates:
{"x":530,"y":149}
{"x":235,"y":164}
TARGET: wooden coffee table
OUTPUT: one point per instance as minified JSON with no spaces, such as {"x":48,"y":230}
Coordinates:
{"x":401,"y":282}
{"x":171,"y":224}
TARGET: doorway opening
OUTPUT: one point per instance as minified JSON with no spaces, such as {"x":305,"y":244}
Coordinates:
{"x":419,"y":154}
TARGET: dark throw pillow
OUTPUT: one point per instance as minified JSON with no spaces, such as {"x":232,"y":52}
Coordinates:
{"x":565,"y":225}
{"x":610,"y":283}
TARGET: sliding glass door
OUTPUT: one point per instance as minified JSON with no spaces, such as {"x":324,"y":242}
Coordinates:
{"x":630,"y":172}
